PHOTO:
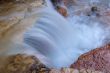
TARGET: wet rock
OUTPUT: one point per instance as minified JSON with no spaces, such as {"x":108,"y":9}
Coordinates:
{"x":62,"y":11}
{"x":98,"y":59}
{"x":22,"y":63}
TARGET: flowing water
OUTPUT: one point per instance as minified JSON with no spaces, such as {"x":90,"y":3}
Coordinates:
{"x":62,"y":40}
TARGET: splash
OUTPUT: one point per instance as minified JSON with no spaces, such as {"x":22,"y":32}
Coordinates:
{"x":61,"y":41}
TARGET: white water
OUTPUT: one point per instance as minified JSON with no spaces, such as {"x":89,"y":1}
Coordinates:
{"x":61,"y":41}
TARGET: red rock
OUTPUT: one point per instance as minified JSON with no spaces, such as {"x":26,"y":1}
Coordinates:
{"x":98,"y":59}
{"x":62,"y":11}
{"x":61,"y":8}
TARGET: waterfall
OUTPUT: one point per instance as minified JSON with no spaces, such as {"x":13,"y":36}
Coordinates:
{"x":61,"y":41}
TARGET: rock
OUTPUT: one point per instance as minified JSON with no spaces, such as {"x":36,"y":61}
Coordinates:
{"x":62,"y":11}
{"x":70,"y":70}
{"x":98,"y":59}
{"x":22,"y":63}
{"x":60,"y":6}
{"x":16,"y":16}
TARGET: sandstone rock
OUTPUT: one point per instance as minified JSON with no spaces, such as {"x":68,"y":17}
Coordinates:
{"x":22,"y":63}
{"x":98,"y":59}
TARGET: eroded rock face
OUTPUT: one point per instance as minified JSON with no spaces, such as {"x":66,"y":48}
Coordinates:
{"x":22,"y":63}
{"x":14,"y":17}
{"x":16,"y":14}
{"x":98,"y":59}
{"x":70,"y":70}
